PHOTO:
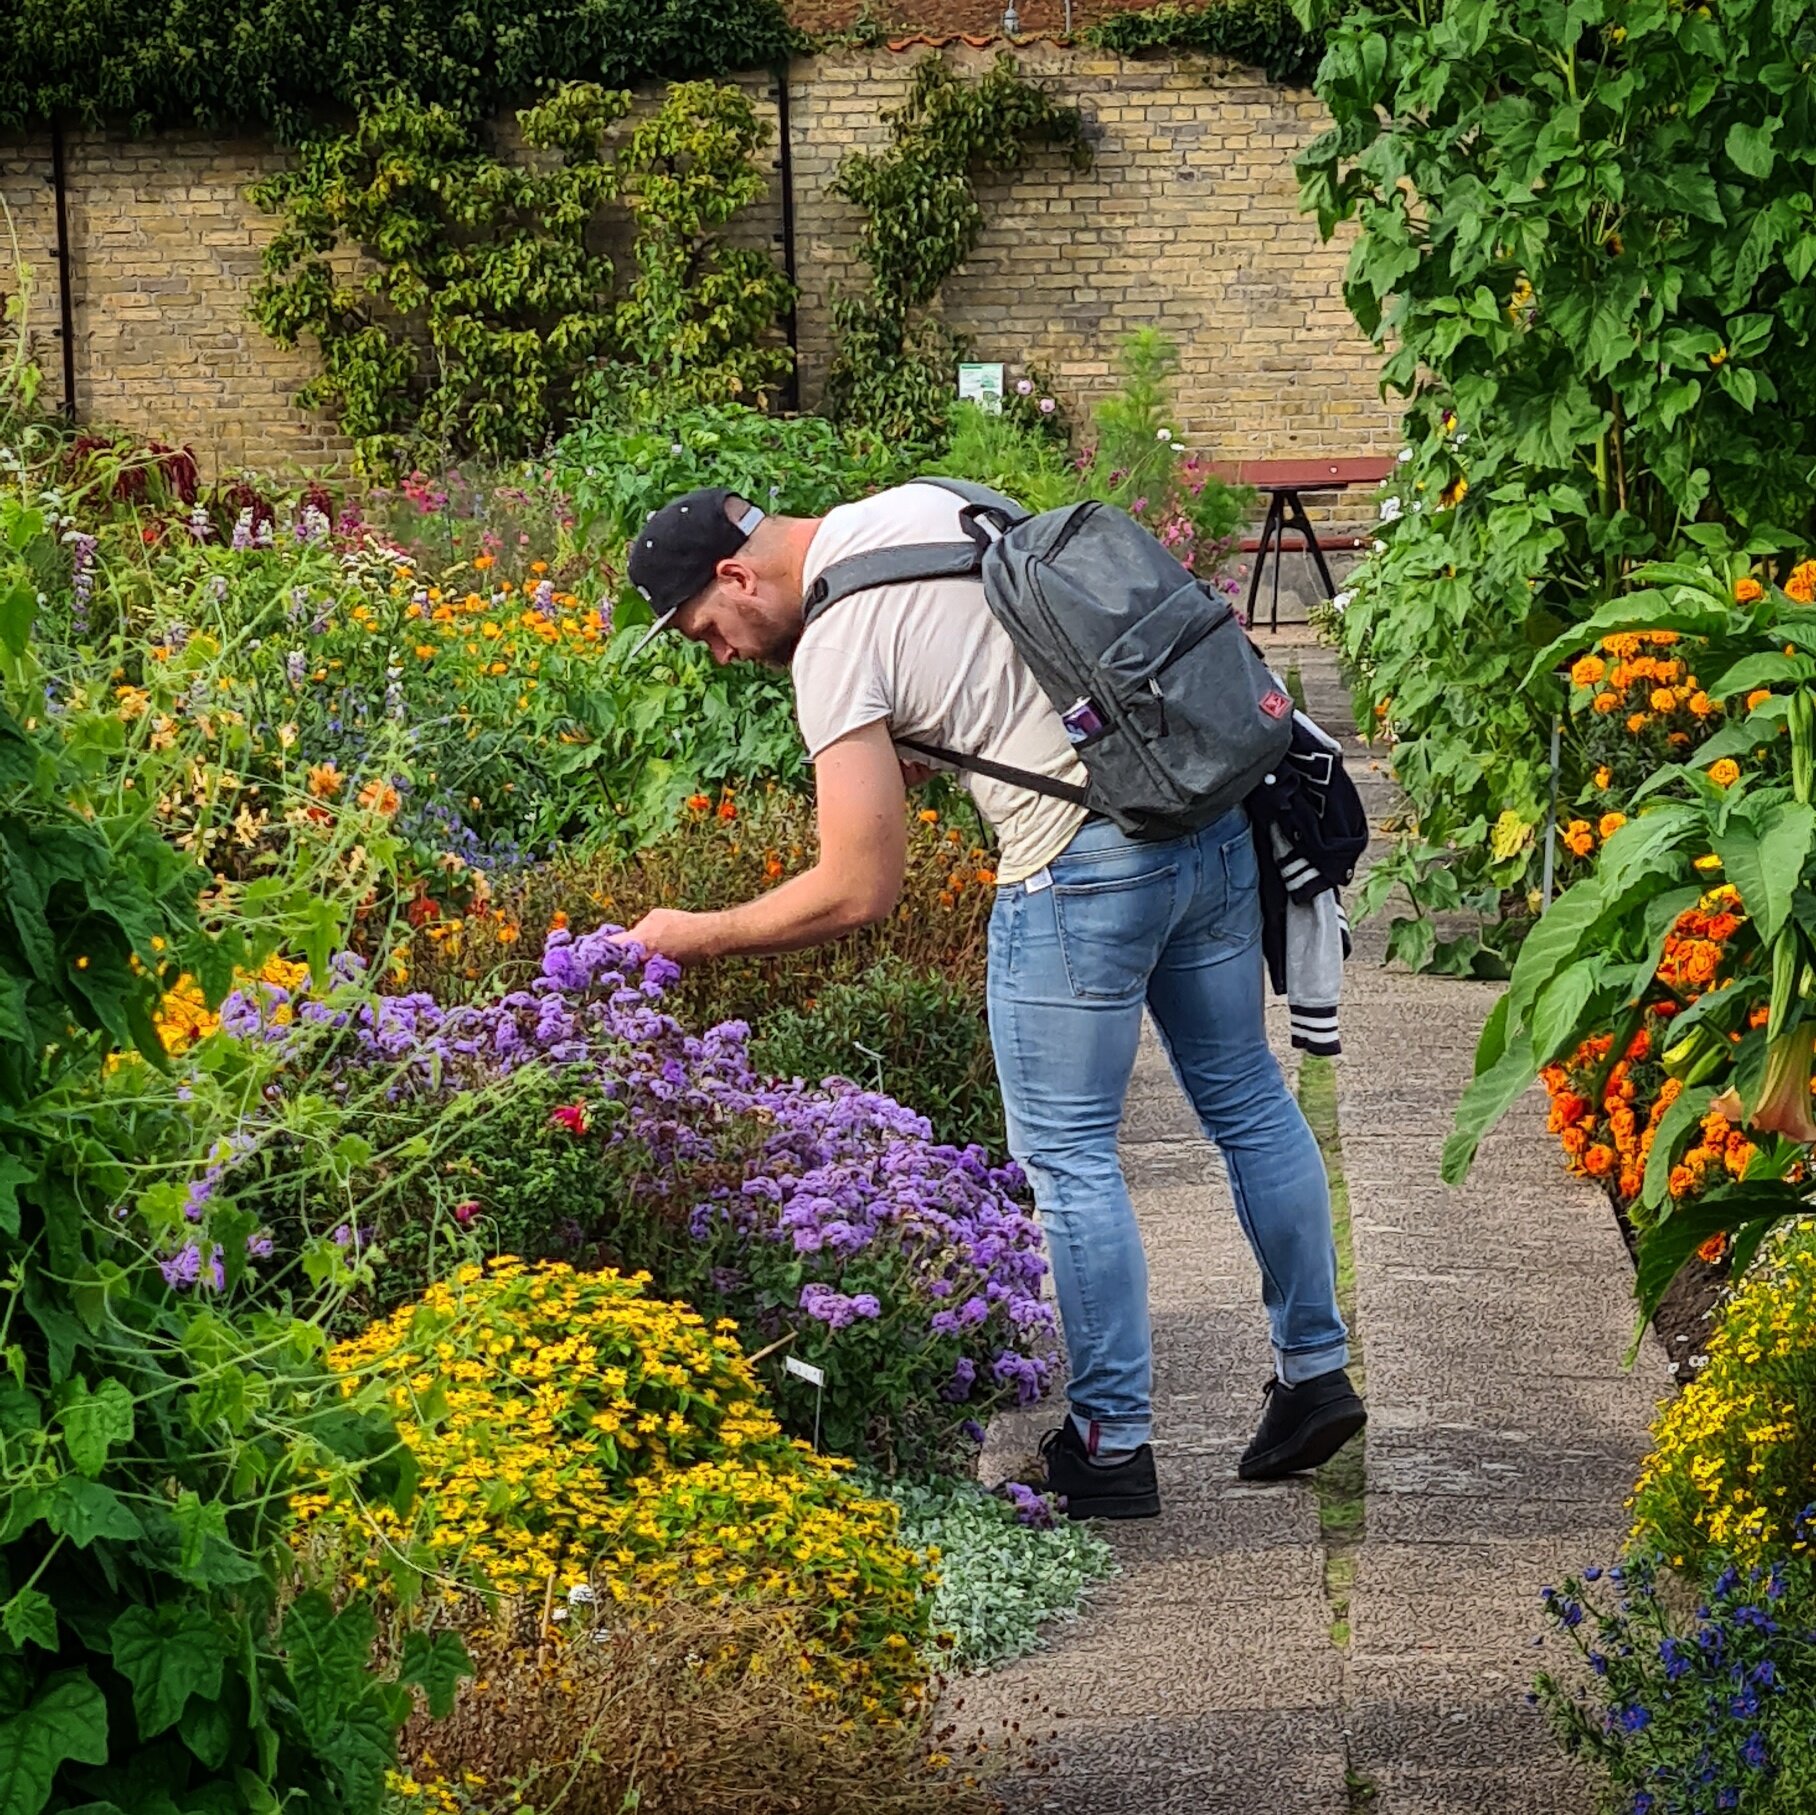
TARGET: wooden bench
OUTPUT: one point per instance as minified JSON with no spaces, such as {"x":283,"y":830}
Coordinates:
{"x":1285,"y":481}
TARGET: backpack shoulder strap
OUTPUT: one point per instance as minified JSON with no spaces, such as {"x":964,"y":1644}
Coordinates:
{"x":919,"y":560}
{"x":889,"y":567}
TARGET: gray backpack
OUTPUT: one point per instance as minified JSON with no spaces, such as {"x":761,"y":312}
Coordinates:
{"x":1170,"y":707}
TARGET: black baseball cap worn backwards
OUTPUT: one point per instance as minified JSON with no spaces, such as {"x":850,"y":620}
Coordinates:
{"x":676,"y":554}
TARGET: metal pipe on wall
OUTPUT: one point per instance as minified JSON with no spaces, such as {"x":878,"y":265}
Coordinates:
{"x":65,"y":302}
{"x":785,"y":134}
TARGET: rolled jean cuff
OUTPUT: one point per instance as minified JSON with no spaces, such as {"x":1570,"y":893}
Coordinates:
{"x":1298,"y":1366}
{"x":1113,"y":1434}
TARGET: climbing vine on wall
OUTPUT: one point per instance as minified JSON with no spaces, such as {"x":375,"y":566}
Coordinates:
{"x":461,"y":300}
{"x":892,"y":369}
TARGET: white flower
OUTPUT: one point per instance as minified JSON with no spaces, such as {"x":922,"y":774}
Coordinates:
{"x":1380,"y":546}
{"x":1391,"y":510}
{"x":580,"y":1595}
{"x":1341,"y":601}
{"x":1404,"y":455}
{"x":1418,"y":504}
{"x":1163,"y":434}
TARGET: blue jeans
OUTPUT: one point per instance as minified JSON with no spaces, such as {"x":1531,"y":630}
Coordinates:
{"x":1075,"y":952}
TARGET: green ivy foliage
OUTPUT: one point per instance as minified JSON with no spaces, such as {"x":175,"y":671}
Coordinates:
{"x":1264,"y":34}
{"x":292,"y":64}
{"x":1588,"y":246}
{"x":483,"y":317}
{"x":893,"y":367}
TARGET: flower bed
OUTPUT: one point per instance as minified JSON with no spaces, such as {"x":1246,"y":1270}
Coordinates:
{"x":827,"y":1217}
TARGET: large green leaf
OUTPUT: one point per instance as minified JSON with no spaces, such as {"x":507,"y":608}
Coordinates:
{"x":83,"y":1510}
{"x":1487,"y":1099}
{"x":1557,"y":1013}
{"x":168,"y":1654}
{"x":1765,"y":860}
{"x":1664,"y":1248}
{"x":1689,"y":1108}
{"x":435,"y":1662}
{"x":1552,"y":944}
{"x":1630,"y":859}
{"x":67,"y":1721}
{"x":94,"y":1420}
{"x":329,"y":1654}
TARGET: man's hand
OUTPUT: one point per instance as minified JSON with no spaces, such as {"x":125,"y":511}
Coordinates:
{"x":915,"y":775}
{"x":863,"y":853}
{"x":686,"y":938}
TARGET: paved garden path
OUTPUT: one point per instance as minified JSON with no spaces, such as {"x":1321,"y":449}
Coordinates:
{"x":1216,"y":1672}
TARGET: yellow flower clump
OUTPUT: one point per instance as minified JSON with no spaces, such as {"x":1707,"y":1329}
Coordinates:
{"x":184,"y":1019}
{"x":1734,"y":1456}
{"x":570,"y":1429}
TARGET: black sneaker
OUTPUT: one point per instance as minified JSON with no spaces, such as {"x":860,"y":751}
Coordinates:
{"x":1303,"y":1426}
{"x":1125,"y":1489}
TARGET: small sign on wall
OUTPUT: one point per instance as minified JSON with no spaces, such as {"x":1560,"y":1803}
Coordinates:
{"x":982,"y":384}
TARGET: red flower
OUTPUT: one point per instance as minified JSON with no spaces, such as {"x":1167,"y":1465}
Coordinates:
{"x":571,"y":1116}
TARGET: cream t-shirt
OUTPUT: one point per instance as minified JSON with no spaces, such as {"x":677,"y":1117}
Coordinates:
{"x":929,"y":657}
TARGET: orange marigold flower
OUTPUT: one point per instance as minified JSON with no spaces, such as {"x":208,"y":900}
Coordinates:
{"x":1637,"y":722}
{"x":1682,"y":1182}
{"x":772,"y":866}
{"x":698,"y":803}
{"x":1598,"y":1162}
{"x":325,"y":781}
{"x":1606,"y":702}
{"x":1713,"y":1249}
{"x":482,"y":562}
{"x":1747,"y":589}
{"x":1604,"y":776}
{"x":558,"y":920}
{"x":1724,"y":773}
{"x":1611,"y":823}
{"x":727,"y":810}
{"x":1588,"y":670}
{"x":379,"y":797}
{"x":1758,"y":698}
{"x":1700,"y":703}
{"x":1801,"y":586}
{"x":928,"y":817}
{"x":1663,"y":699}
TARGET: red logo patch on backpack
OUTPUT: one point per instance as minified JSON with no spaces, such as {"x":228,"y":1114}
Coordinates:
{"x":1275,"y":703}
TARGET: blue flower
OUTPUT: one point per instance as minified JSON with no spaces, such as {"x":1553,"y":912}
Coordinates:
{"x":1633,"y":1718}
{"x":1754,"y":1754}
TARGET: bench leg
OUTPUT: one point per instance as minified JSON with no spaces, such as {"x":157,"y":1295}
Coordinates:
{"x":1270,"y":537}
{"x":1294,"y":517}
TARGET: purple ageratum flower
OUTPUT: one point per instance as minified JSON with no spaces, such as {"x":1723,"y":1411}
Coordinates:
{"x":1754,"y":1753}
{"x":1031,"y":1508}
{"x":296,"y":667}
{"x":242,"y":531}
{"x":972,"y":1429}
{"x":183,"y":1268}
{"x":834,"y":1309}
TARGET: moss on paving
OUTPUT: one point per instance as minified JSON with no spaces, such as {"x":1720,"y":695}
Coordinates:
{"x":1340,"y":1484}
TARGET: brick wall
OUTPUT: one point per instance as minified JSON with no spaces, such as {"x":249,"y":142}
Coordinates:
{"x":1187,"y":221}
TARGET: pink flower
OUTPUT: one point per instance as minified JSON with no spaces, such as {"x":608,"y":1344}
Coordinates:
{"x":571,"y":1116}
{"x":1047,"y":406}
{"x":466,"y":1210}
{"x":1025,"y":386}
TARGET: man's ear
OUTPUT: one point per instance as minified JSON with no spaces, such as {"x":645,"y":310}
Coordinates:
{"x":737,"y":576}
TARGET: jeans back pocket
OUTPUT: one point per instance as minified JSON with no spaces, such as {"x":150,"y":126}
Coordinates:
{"x":1111,"y":933}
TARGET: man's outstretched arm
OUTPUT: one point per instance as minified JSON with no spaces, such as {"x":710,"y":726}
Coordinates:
{"x":863,"y":854}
